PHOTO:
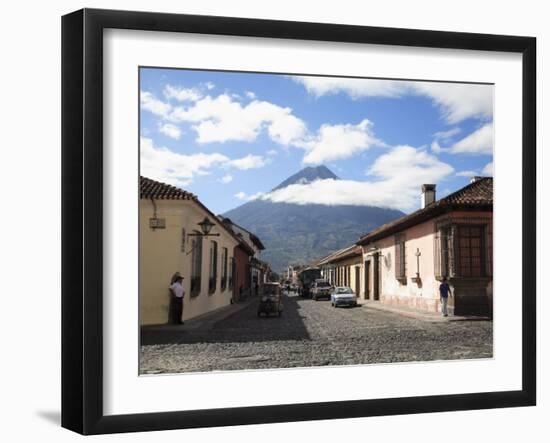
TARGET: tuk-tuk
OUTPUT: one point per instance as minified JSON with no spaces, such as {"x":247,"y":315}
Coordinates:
{"x":270,"y":299}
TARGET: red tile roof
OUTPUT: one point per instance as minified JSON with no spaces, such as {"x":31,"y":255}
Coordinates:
{"x":475,"y":196}
{"x":153,"y":189}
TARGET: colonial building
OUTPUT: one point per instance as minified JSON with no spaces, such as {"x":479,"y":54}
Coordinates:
{"x":344,"y":268}
{"x":251,"y":270}
{"x":172,"y":240}
{"x":404,"y":261}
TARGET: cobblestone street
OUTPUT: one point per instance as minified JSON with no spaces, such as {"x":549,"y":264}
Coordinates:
{"x":311,"y":333}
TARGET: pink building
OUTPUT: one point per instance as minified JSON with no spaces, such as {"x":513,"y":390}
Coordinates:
{"x":404,"y":261}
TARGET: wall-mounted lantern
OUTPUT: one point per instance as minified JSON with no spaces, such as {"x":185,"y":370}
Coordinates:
{"x":206,"y":226}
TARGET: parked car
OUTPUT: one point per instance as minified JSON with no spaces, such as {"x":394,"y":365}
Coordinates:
{"x":343,"y":296}
{"x":270,"y":300}
{"x":321,"y":289}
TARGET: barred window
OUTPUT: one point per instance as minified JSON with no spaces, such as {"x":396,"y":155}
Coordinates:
{"x":443,"y":253}
{"x":196,"y":266}
{"x":213,"y":267}
{"x":224,"y":269}
{"x":400,"y":258}
{"x":470,"y":251}
{"x":183,"y":240}
{"x":231,"y":272}
{"x":463,"y":250}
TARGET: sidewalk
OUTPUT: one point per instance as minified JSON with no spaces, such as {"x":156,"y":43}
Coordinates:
{"x":417,"y":314}
{"x":205,"y":321}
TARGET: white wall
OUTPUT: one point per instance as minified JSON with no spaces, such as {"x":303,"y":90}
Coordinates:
{"x":30,"y":234}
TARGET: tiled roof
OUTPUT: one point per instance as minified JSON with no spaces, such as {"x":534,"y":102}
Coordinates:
{"x":352,"y":251}
{"x":341,"y":254}
{"x":475,"y":196}
{"x":479,"y":192}
{"x":153,"y":189}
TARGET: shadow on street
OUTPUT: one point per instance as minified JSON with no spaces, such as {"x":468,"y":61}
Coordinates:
{"x":242,"y":326}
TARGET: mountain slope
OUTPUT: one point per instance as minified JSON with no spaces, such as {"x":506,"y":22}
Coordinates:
{"x":307,"y":175}
{"x":295,"y":233}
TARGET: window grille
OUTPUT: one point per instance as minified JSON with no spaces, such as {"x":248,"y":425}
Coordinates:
{"x":196,"y":266}
{"x":400,"y":258}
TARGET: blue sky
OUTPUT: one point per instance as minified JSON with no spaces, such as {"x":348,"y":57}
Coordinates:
{"x":231,"y":137}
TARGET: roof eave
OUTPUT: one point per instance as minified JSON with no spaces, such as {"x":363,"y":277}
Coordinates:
{"x":430,"y":213}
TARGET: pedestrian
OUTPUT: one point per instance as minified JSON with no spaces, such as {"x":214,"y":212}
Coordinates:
{"x":176,"y":300}
{"x":444,"y":290}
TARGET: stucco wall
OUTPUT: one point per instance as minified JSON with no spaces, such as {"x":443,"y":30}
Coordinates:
{"x":422,"y":295}
{"x":161,"y":256}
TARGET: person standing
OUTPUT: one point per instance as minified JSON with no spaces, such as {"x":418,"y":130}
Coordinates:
{"x":178,"y":292}
{"x":444,"y":290}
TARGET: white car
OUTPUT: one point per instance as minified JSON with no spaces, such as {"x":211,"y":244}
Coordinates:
{"x":343,"y":296}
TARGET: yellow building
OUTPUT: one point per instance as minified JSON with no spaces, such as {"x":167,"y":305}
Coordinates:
{"x":171,"y":240}
{"x":344,"y":268}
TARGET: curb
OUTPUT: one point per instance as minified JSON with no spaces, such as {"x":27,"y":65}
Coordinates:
{"x":429,"y":317}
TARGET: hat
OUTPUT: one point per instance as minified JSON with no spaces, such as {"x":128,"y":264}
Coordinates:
{"x":177,"y":276}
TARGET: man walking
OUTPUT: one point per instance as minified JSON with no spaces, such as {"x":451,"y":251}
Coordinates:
{"x":444,"y":295}
{"x":177,"y":291}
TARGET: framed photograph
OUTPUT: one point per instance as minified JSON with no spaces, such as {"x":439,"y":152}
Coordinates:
{"x":269,"y":221}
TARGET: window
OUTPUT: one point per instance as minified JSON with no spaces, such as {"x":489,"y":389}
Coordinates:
{"x":460,"y":251}
{"x":196,"y":266}
{"x":213,"y":267}
{"x":400,"y":258}
{"x":470,"y":248}
{"x":183,"y":240}
{"x":224,"y":269}
{"x":444,"y":252}
{"x":231,"y":272}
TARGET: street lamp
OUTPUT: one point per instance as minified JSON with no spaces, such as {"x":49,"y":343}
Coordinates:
{"x":206,"y":226}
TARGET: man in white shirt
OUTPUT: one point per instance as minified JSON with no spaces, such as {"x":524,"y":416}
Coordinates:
{"x":177,"y":291}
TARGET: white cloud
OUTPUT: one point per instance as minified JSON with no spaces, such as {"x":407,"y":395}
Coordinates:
{"x":400,"y":174}
{"x":170,"y":130}
{"x":223,"y":119}
{"x":272,"y":152}
{"x":456,"y":101}
{"x":334,"y":142}
{"x":243,"y":196}
{"x":162,"y":164}
{"x":467,"y":173}
{"x":478,"y":142}
{"x":446,"y":135}
{"x":249,"y":162}
{"x":356,"y":88}
{"x":436,"y":147}
{"x":181,"y":94}
{"x":250,"y":95}
{"x":209,"y":85}
{"x":150,"y":103}
{"x":489,"y":169}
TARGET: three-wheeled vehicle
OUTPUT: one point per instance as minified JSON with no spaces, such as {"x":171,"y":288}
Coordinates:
{"x":270,"y":299}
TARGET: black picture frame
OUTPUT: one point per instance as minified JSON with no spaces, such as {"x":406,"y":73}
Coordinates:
{"x":82,"y":218}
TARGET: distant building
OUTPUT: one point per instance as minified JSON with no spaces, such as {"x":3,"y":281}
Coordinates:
{"x":344,"y":268}
{"x":170,"y":241}
{"x":404,"y":261}
{"x":251,"y":270}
